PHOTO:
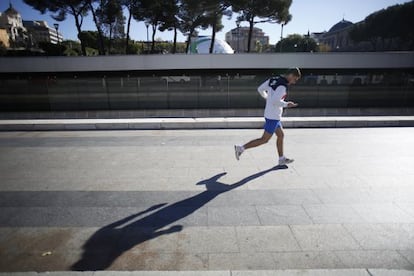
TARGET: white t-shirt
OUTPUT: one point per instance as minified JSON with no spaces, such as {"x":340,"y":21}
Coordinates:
{"x":274,"y":91}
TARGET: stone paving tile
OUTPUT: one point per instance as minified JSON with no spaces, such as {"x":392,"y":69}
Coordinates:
{"x":51,"y":273}
{"x":282,"y":215}
{"x":144,"y":240}
{"x":266,"y":239}
{"x":232,"y":216}
{"x":391,"y":272}
{"x":207,"y":240}
{"x":294,"y":196}
{"x":99,"y":216}
{"x":382,"y":213}
{"x":408,"y":254}
{"x":307,"y":260}
{"x":407,"y":208}
{"x":243,"y":198}
{"x":373,"y":259}
{"x":312,"y":272}
{"x":383,"y":236}
{"x":323,"y":237}
{"x":181,"y":273}
{"x":35,"y":261}
{"x":332,"y":213}
{"x":135,"y":260}
{"x":345,"y":195}
{"x":241,"y":261}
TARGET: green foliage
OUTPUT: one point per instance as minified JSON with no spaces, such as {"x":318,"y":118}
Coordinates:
{"x":192,"y":15}
{"x":111,"y":19}
{"x":60,"y":9}
{"x":215,"y":11}
{"x":51,"y":49}
{"x":276,"y":11}
{"x":394,"y":22}
{"x":297,"y":43}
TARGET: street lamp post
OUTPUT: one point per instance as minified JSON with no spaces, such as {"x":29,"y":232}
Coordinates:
{"x":238,"y":36}
{"x":147,"y":26}
{"x":281,"y":35}
{"x":56,"y":25}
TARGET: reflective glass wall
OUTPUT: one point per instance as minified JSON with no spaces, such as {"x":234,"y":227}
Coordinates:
{"x":200,"y":90}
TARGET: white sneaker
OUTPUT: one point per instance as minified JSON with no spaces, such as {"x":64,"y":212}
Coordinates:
{"x":284,"y":161}
{"x":238,"y":150}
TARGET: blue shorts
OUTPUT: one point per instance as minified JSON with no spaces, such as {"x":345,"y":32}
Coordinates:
{"x":271,"y":125}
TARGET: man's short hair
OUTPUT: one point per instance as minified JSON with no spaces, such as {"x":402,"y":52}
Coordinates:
{"x":294,"y":71}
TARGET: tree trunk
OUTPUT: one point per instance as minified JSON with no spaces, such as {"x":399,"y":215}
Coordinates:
{"x":187,"y":44}
{"x":78,"y":27}
{"x":174,"y":50}
{"x":127,"y":34}
{"x":100,"y":35}
{"x":110,"y":39}
{"x":213,"y":36}
{"x":154,"y":30}
{"x":249,"y":40}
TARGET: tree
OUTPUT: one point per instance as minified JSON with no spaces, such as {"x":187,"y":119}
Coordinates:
{"x":275,"y":11}
{"x":97,"y":24}
{"x":297,"y":43}
{"x":192,"y":15}
{"x":60,"y":9}
{"x":215,"y":11}
{"x":170,"y":20}
{"x":133,"y":6}
{"x":391,"y":24}
{"x":154,"y":12}
{"x":112,"y":20}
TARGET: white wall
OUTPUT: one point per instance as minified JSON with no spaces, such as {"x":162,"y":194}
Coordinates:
{"x":237,"y":61}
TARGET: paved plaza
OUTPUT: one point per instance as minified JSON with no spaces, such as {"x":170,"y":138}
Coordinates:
{"x":178,"y":200}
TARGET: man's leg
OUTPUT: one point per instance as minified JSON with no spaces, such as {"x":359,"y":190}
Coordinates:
{"x":279,"y":141}
{"x":279,"y":144}
{"x":258,"y":142}
{"x":238,"y":150}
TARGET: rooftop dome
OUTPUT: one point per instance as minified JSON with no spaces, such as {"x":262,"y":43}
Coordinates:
{"x":343,"y":24}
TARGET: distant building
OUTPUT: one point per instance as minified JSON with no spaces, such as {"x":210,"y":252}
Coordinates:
{"x":41,"y":32}
{"x":337,"y":38}
{"x":11,"y":21}
{"x":237,"y":38}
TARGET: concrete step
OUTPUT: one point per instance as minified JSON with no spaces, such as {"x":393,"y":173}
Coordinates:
{"x":301,"y":272}
{"x":203,"y":123}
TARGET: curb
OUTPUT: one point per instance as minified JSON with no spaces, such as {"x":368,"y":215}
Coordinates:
{"x":296,"y":272}
{"x":202,"y":123}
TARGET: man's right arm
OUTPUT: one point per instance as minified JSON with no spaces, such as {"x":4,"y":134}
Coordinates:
{"x":262,"y":89}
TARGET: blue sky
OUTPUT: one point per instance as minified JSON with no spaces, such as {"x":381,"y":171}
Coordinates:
{"x":315,"y":15}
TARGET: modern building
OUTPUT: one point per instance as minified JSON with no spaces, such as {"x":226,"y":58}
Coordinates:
{"x":237,"y":38}
{"x":11,"y":21}
{"x":41,"y":32}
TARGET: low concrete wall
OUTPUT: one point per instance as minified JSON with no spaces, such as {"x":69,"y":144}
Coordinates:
{"x":203,"y":113}
{"x":389,"y":60}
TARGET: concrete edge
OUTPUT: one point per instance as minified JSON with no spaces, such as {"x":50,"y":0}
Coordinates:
{"x":292,"y":272}
{"x":202,"y":123}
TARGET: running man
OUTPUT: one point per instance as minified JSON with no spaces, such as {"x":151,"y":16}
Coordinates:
{"x":274,"y":90}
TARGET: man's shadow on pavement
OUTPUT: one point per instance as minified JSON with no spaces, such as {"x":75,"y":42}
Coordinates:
{"x":112,"y":240}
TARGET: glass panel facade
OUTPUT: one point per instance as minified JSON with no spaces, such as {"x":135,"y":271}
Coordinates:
{"x":201,"y":90}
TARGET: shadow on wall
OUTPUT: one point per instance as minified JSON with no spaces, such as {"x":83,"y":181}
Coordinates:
{"x":111,"y":241}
